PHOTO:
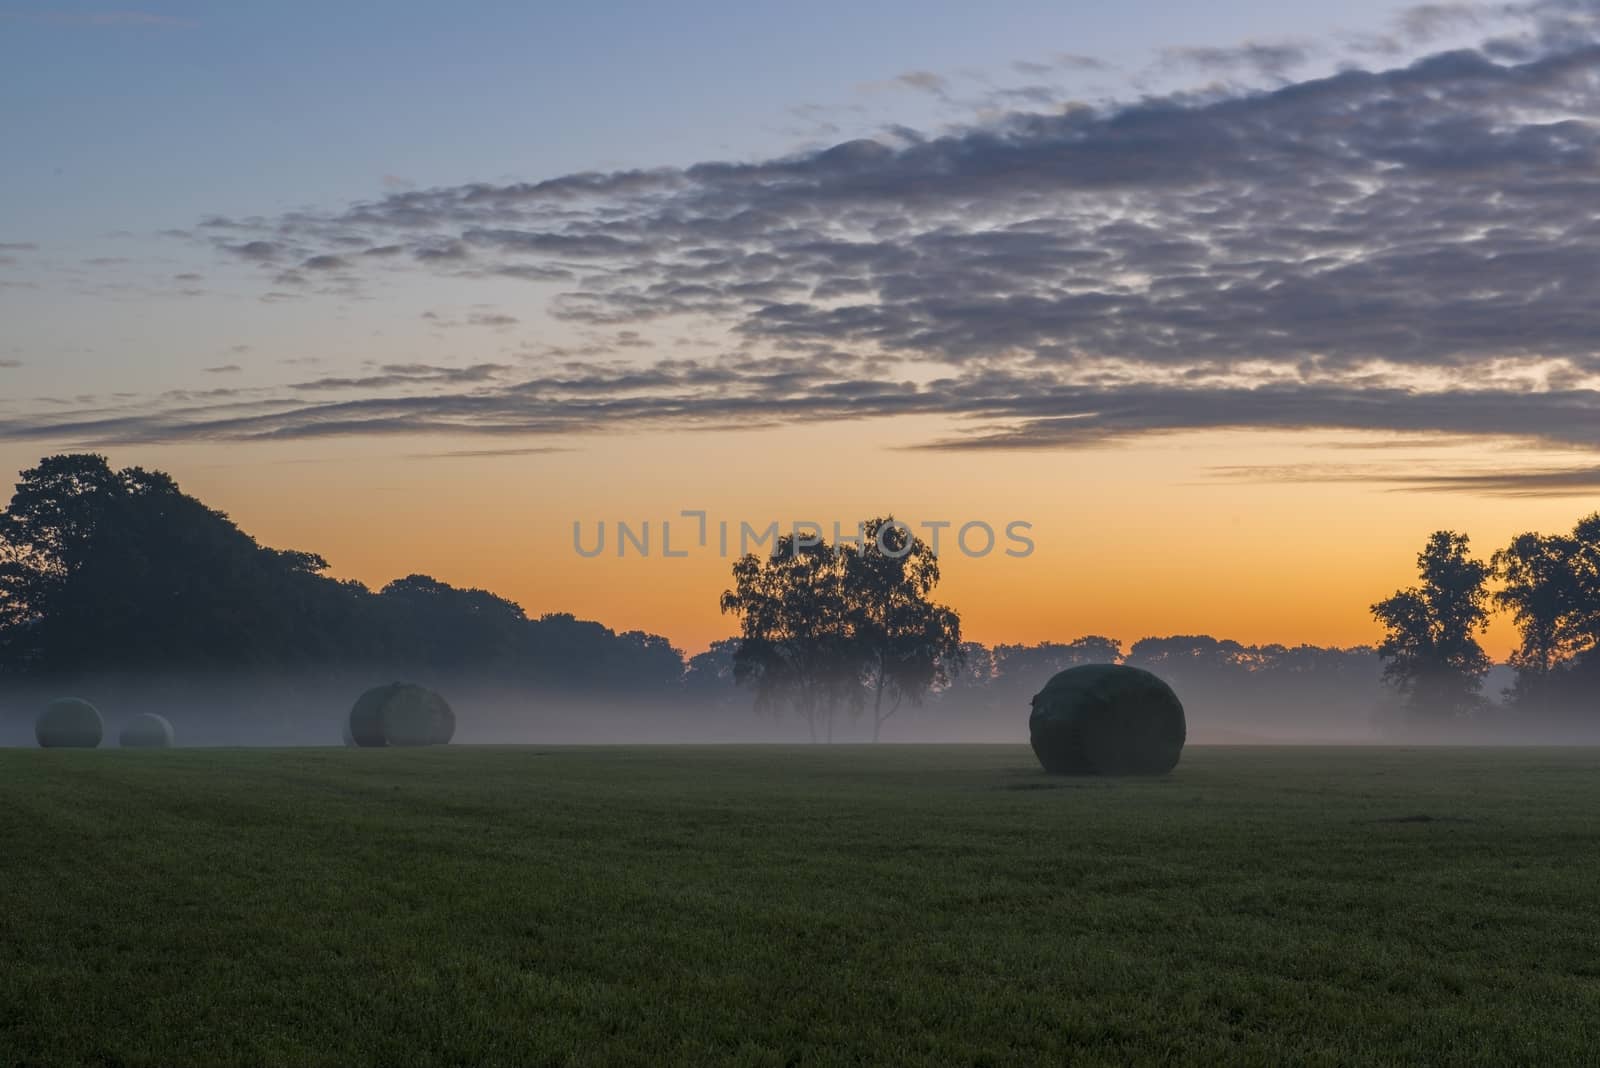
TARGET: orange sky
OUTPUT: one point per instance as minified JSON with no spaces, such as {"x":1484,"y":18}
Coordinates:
{"x":1133,"y":539}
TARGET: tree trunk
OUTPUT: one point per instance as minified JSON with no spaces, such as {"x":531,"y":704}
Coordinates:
{"x":877,"y":708}
{"x":878,"y":721}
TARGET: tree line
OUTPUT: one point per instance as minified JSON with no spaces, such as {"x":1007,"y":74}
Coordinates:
{"x":118,"y":573}
{"x":111,"y":573}
{"x":1550,"y":585}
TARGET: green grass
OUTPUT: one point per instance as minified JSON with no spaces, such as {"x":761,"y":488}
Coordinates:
{"x":765,"y":906}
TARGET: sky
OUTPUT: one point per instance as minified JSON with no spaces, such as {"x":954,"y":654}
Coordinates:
{"x":1231,"y":304}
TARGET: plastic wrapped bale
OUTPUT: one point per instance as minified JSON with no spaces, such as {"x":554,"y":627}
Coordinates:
{"x":70,"y":723}
{"x":147,"y":731}
{"x":1107,"y":719}
{"x":401,"y":713}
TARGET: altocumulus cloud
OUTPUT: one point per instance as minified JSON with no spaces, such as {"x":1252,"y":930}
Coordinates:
{"x":1405,"y":247}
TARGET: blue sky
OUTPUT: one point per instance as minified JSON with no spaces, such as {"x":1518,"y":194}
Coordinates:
{"x":117,"y":121}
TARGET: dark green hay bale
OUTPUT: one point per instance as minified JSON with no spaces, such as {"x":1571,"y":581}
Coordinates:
{"x":69,"y":723}
{"x":401,"y":713}
{"x":1107,"y":719}
{"x":146,"y":731}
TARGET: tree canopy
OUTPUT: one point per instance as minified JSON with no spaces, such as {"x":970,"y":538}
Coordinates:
{"x":119,"y":571}
{"x":1430,"y":641}
{"x":845,"y":627}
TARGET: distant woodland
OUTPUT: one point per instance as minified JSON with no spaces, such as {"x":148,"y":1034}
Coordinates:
{"x":115,"y":582}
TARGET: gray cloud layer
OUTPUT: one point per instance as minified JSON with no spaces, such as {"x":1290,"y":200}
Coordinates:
{"x":1404,"y":249}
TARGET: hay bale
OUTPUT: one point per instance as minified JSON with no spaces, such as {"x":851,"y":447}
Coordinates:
{"x":1107,"y":719}
{"x":69,"y":723}
{"x":401,"y":713}
{"x":146,"y":731}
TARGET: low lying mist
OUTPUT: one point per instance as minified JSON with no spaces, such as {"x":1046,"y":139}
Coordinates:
{"x":312,"y":710}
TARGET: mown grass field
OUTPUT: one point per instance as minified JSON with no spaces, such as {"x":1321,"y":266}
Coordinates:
{"x":766,"y":906}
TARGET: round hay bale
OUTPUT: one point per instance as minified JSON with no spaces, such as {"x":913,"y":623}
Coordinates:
{"x":146,"y":731}
{"x":1107,"y":719}
{"x":69,"y":723}
{"x":401,"y":713}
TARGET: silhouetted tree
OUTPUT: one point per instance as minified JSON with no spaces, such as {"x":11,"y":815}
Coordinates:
{"x":1551,"y":585}
{"x":1539,"y":589}
{"x":796,"y":642}
{"x":709,"y":676}
{"x":106,"y":571}
{"x":971,"y":677}
{"x":121,"y":571}
{"x":911,"y":644}
{"x":1019,"y":670}
{"x":1430,"y":645}
{"x":571,"y":655}
{"x":444,"y":629}
{"x":830,"y":627}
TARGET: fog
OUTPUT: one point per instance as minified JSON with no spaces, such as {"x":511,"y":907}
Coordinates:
{"x":312,"y":711}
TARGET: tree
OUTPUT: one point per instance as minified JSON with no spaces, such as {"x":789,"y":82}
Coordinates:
{"x":1581,"y":625}
{"x":1551,"y":585}
{"x":796,"y":643}
{"x":1538,"y":588}
{"x":971,"y":677}
{"x":910,"y":643}
{"x":440,"y":627}
{"x":1020,"y":670}
{"x":1432,"y":655}
{"x":825,"y":628}
{"x":120,"y":570}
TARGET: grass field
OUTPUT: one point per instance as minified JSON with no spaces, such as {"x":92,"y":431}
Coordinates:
{"x":896,"y":905}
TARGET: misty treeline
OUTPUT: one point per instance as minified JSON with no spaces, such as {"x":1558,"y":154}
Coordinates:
{"x":107,"y":572}
{"x":1550,"y":585}
{"x":116,"y":585}
{"x":848,"y":631}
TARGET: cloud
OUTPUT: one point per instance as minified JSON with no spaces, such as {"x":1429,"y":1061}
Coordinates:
{"x":1068,"y":61}
{"x":921,"y":81}
{"x":480,"y":454}
{"x":9,"y":364}
{"x":410,"y":374}
{"x":1273,"y":59}
{"x":1581,"y":481}
{"x":224,"y":369}
{"x":481,"y":316}
{"x":1407,"y":246}
{"x":18,"y":246}
{"x":995,"y":409}
{"x":259,"y":251}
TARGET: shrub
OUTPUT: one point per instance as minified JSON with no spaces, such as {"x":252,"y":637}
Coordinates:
{"x":1107,"y":719}
{"x":69,"y":723}
{"x":146,"y":731}
{"x":401,"y":713}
